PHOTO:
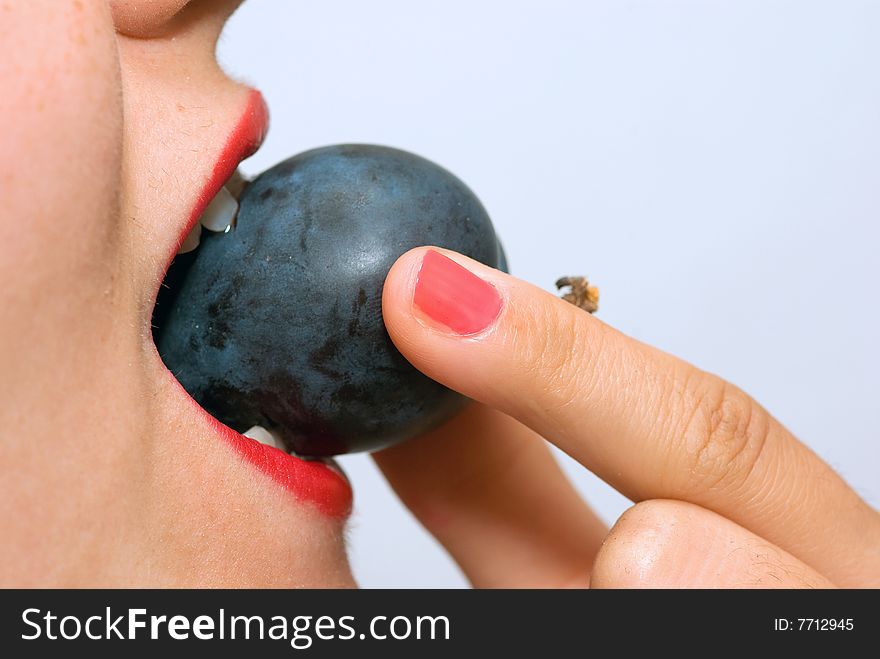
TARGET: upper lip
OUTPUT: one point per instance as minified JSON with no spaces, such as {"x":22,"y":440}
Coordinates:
{"x":245,"y":139}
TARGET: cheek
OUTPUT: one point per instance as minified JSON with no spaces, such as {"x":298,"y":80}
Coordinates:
{"x":60,"y":165}
{"x":140,"y":19}
{"x":62,"y":117}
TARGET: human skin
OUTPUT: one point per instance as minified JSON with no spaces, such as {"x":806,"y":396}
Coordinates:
{"x":726,"y":496}
{"x":116,"y":114}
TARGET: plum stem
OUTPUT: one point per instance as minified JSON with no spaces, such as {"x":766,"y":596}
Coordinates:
{"x":580,"y":293}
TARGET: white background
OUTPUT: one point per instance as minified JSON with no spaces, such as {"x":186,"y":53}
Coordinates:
{"x":714,"y":166}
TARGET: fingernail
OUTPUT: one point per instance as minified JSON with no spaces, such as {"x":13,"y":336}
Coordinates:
{"x":453,"y":296}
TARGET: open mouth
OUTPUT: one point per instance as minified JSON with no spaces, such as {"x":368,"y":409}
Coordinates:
{"x":317,"y":480}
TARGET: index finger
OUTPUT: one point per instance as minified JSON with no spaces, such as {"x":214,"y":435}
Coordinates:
{"x":648,"y":423}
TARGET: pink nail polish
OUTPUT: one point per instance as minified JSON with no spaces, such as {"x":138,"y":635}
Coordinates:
{"x":453,"y":296}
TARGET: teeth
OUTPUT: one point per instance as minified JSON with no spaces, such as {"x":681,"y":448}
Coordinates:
{"x":330,"y":462}
{"x":237,"y":183}
{"x":192,"y":240}
{"x":264,"y":437}
{"x":220,"y":212}
{"x":268,"y":438}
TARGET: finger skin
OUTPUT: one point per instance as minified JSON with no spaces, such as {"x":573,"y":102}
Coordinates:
{"x":651,"y":425}
{"x":673,"y":544}
{"x":491,"y":492}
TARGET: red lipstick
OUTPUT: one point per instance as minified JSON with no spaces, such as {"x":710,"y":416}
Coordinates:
{"x":245,"y":139}
{"x":307,"y":480}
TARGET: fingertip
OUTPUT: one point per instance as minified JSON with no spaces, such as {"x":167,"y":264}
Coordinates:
{"x":434,"y":290}
{"x":469,"y":326}
{"x":397,"y":293}
{"x":400,"y":280}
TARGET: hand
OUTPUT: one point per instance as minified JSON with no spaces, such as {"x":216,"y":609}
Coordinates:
{"x":727,"y":497}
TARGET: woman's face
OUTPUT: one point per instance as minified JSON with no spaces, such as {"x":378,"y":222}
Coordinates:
{"x":119,"y":128}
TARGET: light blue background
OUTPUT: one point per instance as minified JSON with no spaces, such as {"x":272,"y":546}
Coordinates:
{"x":713,"y":166}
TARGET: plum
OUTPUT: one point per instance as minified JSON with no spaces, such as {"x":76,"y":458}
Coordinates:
{"x":278,"y":322}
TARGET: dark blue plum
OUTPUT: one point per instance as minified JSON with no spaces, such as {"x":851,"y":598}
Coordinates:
{"x":279,"y":321}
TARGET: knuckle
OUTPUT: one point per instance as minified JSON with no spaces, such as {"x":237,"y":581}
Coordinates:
{"x":769,"y":566}
{"x":657,"y":516}
{"x":636,"y":549}
{"x":725,"y":433}
{"x":652,"y":542}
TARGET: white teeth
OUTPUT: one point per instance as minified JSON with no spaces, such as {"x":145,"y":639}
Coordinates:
{"x":192,"y":240}
{"x":264,"y":437}
{"x":237,"y":183}
{"x":220,"y":212}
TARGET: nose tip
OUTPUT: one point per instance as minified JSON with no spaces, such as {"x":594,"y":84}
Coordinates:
{"x":165,"y":18}
{"x":144,"y":20}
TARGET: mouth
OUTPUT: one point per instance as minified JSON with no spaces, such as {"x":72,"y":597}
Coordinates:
{"x":317,"y":481}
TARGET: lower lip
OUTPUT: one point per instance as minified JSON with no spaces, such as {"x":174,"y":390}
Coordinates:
{"x":309,"y":481}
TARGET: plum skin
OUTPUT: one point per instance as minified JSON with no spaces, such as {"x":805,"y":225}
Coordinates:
{"x":279,"y":322}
